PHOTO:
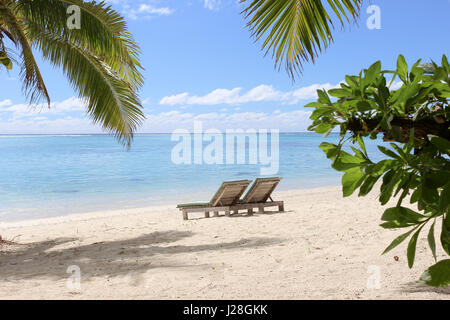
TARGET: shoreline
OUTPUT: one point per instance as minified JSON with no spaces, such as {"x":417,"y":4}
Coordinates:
{"x":306,"y":252}
{"x":108,"y":211}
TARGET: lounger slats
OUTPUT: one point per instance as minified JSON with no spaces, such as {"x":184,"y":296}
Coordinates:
{"x":261,"y":190}
{"x":227,"y":198}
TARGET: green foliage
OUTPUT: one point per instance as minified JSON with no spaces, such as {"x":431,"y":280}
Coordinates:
{"x":5,"y":61}
{"x":297,"y":30}
{"x":100,"y":59}
{"x":437,"y":275}
{"x":415,"y":118}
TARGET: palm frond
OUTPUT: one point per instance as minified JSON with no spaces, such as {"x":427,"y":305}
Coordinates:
{"x":103,"y":32}
{"x":33,"y":82}
{"x":296,"y":31}
{"x":110,"y":101}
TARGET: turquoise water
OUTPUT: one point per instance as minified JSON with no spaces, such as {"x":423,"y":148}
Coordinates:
{"x":44,"y":176}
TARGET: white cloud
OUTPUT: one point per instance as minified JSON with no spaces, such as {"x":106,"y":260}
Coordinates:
{"x":134,"y":9}
{"x":236,"y":97}
{"x":18,"y":111}
{"x":212,"y":4}
{"x":6,"y":103}
{"x":68,"y":117}
{"x":297,"y":120}
{"x":165,"y":122}
{"x":42,"y":125}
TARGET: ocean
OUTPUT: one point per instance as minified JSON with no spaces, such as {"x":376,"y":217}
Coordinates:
{"x":54,"y":175}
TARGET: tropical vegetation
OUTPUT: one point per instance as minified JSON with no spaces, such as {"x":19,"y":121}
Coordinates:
{"x":415,"y":119}
{"x":297,"y":31}
{"x":99,"y":58}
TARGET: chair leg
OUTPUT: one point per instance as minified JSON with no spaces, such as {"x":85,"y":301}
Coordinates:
{"x":281,"y":207}
{"x":235,"y":211}
{"x":250,"y":211}
{"x":206,"y":214}
{"x":185,"y":215}
{"x":216,"y":213}
{"x":261,"y":209}
{"x":227,"y":212}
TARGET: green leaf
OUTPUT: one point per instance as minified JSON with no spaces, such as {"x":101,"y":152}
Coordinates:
{"x":430,"y":195}
{"x":373,"y":72}
{"x":368,"y":184}
{"x":432,"y":241}
{"x":361,"y":144}
{"x":389,"y":152}
{"x":402,"y":68}
{"x":352,"y":81}
{"x":315,"y":105}
{"x":445,"y":234}
{"x":442,"y":144}
{"x":323,"y":127}
{"x":444,"y":198}
{"x":323,"y":97}
{"x":380,"y":167}
{"x":437,"y":275}
{"x":351,"y":180}
{"x":339,"y":93}
{"x":390,"y":180}
{"x":331,"y":150}
{"x":402,"y":216}
{"x":417,"y":194}
{"x":412,"y":248}
{"x":346,"y":161}
{"x":397,"y":241}
{"x":321,"y":112}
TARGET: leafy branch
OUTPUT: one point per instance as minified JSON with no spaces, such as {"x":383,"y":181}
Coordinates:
{"x":416,"y":119}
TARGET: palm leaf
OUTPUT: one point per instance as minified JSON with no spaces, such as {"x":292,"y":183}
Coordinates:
{"x":103,"y":33}
{"x":296,"y":30}
{"x":110,"y":101}
{"x":33,"y":82}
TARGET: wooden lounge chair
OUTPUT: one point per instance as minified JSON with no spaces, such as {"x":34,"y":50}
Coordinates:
{"x":258,"y":196}
{"x":228,"y":195}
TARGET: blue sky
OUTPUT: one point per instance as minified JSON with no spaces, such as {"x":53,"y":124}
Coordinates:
{"x":201,"y":64}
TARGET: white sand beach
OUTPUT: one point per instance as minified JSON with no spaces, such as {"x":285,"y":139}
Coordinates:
{"x":322,"y":247}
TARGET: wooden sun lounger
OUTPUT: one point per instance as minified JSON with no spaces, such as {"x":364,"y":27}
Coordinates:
{"x":228,"y":195}
{"x":258,"y":195}
{"x":227,"y":198}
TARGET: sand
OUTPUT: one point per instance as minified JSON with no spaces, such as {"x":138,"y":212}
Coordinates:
{"x":322,"y":247}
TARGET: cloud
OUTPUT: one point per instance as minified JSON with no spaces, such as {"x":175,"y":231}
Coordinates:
{"x":212,"y":4}
{"x":164,"y":122}
{"x":134,"y":9}
{"x":6,"y":103}
{"x":42,"y":125}
{"x":291,"y":121}
{"x":17,"y":111}
{"x":235,"y":96}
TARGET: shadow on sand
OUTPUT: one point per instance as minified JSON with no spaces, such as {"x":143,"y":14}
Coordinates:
{"x":109,"y":258}
{"x":414,"y":287}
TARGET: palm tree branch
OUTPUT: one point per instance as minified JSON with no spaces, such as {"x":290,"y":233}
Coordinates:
{"x":103,"y":33}
{"x":110,"y":101}
{"x":296,"y":30}
{"x":34,"y":84}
